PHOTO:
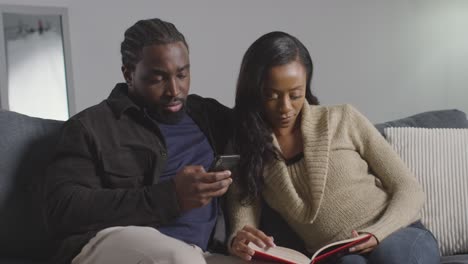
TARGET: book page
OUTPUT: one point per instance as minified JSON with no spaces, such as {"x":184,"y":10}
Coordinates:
{"x":280,"y":254}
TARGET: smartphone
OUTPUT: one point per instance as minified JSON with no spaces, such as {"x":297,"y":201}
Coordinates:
{"x":224,"y":162}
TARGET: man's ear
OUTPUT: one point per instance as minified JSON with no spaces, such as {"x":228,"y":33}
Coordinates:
{"x":127,"y":74}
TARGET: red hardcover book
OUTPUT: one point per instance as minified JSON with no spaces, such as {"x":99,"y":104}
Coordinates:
{"x":288,"y":256}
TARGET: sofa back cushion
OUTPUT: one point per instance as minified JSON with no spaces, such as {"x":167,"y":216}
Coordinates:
{"x":26,"y":146}
{"x":439,"y":160}
{"x":451,"y":118}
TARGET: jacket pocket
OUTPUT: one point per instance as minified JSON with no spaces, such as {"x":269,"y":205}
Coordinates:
{"x":125,"y":168}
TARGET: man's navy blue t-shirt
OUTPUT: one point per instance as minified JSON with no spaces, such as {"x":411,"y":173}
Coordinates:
{"x":187,"y":145}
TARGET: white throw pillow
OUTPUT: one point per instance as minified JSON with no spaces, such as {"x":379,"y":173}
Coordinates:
{"x":439,"y":159}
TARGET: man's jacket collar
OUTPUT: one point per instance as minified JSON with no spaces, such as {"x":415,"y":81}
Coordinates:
{"x":119,"y":100}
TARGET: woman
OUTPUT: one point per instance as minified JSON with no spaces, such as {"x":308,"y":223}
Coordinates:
{"x":325,"y":170}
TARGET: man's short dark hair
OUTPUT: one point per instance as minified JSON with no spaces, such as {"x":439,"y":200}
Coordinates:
{"x":144,"y":33}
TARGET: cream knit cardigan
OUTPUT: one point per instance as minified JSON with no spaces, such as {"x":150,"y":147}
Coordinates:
{"x":353,"y":180}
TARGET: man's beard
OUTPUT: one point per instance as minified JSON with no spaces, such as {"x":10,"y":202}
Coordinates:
{"x":166,"y":117}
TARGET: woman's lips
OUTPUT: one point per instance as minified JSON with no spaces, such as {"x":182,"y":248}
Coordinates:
{"x":286,"y":118}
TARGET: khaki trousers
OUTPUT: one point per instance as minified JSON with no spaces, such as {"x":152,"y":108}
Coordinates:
{"x":144,"y":245}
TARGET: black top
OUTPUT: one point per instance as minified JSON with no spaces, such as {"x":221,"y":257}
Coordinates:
{"x":107,"y":166}
{"x":294,"y":159}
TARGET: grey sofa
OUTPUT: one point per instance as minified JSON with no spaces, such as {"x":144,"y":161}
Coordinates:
{"x":436,"y":119}
{"x":26,"y":146}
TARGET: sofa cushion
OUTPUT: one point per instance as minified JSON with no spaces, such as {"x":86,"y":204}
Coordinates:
{"x":439,"y":160}
{"x":434,"y":119}
{"x":26,"y":146}
{"x":458,"y":259}
{"x":21,"y":261}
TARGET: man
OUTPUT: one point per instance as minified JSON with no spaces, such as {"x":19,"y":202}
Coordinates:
{"x":129,"y":183}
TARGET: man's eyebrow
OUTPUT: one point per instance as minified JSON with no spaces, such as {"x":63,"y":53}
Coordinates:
{"x":163,"y":72}
{"x":158,"y":71}
{"x":183,"y":68}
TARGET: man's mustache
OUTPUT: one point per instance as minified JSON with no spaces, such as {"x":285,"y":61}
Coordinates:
{"x":171,"y":100}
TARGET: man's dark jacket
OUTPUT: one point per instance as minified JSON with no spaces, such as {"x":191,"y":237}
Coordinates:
{"x":107,"y":166}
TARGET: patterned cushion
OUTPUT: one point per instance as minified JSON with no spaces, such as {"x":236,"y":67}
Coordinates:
{"x":439,"y":159}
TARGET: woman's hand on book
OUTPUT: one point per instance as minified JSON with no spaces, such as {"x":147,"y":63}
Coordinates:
{"x":364,"y":247}
{"x":239,"y":246}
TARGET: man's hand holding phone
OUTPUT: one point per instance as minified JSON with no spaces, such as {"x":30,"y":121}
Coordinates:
{"x":224,"y":162}
{"x":195,"y":187}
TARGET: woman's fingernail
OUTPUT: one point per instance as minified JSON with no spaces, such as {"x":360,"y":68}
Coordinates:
{"x":352,"y":249}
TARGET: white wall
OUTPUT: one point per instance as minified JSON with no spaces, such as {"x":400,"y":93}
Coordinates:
{"x":389,"y":58}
